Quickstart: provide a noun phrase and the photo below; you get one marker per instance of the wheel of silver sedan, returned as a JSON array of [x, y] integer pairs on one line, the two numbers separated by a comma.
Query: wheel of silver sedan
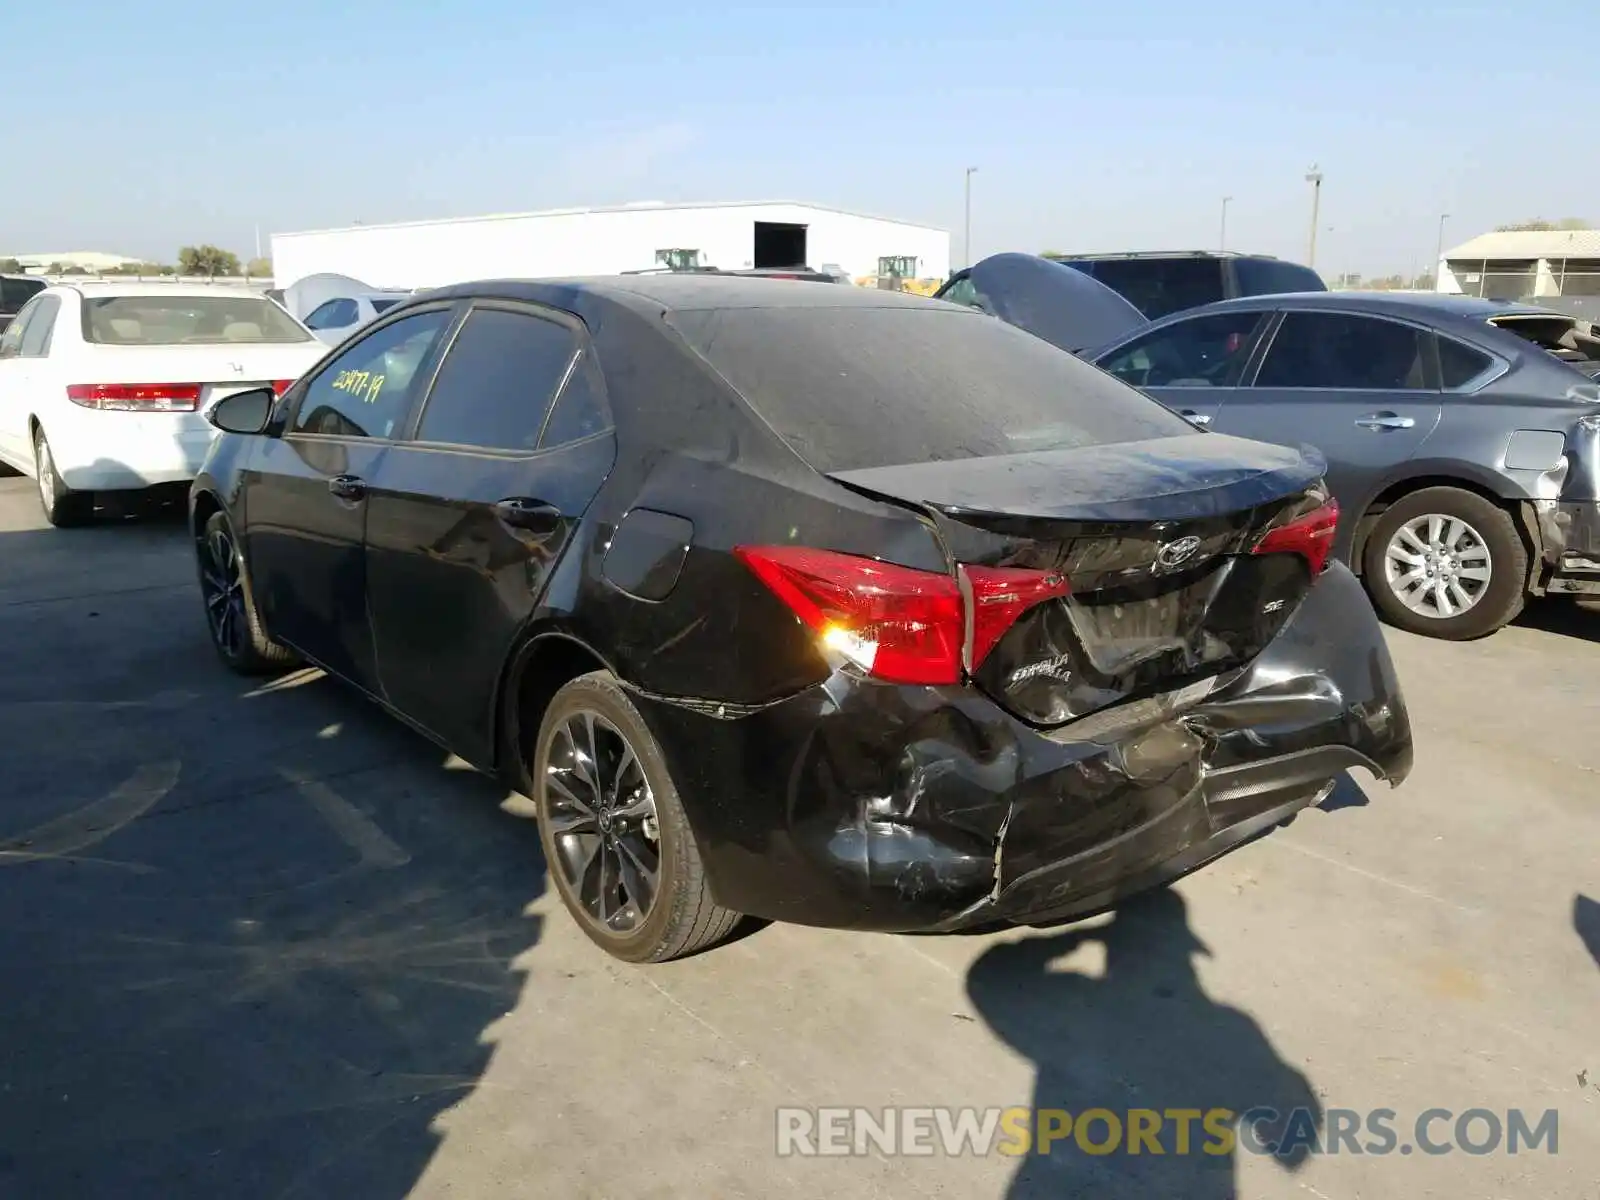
[[1438, 566], [602, 819]]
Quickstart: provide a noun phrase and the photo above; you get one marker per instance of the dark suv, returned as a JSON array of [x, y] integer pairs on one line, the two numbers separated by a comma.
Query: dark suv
[[15, 291], [1159, 283]]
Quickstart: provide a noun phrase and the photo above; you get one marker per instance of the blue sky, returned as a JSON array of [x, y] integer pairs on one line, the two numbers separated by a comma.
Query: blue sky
[[135, 128]]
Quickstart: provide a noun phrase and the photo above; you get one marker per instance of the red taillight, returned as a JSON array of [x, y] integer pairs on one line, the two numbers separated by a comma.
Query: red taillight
[[1002, 594], [280, 386], [898, 624], [1310, 536], [136, 397]]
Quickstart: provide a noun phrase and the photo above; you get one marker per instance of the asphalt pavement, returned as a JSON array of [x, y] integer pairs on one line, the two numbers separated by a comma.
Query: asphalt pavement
[[263, 941]]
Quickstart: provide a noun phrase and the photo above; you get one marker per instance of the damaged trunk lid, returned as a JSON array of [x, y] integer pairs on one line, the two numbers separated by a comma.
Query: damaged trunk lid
[[1165, 546]]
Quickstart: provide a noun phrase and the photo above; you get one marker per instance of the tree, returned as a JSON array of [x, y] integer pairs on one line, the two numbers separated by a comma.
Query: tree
[[1540, 225], [259, 268], [11, 266], [207, 260]]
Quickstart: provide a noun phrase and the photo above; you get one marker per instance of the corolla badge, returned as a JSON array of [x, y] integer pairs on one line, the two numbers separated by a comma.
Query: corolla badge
[[1176, 553]]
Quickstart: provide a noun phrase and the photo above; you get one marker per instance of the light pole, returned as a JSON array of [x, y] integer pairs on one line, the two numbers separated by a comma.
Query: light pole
[[1314, 178], [966, 235], [1438, 254], [1222, 235]]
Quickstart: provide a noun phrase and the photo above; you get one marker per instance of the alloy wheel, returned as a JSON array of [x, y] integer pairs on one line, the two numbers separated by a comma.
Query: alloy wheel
[[223, 589], [1438, 566], [46, 473], [602, 819]]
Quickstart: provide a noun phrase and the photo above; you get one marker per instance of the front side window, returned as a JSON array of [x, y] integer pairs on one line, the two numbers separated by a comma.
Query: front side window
[[187, 321], [1205, 351], [333, 314], [963, 291], [366, 391], [41, 323], [1338, 350], [496, 383]]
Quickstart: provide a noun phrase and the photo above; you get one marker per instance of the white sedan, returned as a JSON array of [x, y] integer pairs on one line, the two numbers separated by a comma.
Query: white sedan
[[104, 386]]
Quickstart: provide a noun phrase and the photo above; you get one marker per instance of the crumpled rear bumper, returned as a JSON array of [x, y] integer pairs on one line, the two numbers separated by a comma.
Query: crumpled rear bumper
[[871, 806]]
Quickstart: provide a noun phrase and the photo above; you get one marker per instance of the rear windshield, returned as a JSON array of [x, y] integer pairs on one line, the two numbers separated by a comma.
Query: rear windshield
[[852, 388], [186, 320], [379, 306], [1159, 286], [1269, 276]]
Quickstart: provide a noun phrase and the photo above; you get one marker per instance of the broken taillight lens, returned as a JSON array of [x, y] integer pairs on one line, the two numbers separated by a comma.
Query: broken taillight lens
[[1309, 535], [897, 623]]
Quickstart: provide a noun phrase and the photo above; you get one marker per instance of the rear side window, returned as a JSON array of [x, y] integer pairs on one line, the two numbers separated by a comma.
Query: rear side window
[[497, 380], [1159, 286], [41, 324], [1268, 276], [187, 321], [1459, 364], [1337, 350], [851, 388], [1203, 351], [382, 306]]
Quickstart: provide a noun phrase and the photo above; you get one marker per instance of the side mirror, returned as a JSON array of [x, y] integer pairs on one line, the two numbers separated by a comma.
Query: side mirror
[[243, 412]]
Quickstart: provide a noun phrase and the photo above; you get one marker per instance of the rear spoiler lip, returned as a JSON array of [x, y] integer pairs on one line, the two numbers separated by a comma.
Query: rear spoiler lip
[[1254, 475]]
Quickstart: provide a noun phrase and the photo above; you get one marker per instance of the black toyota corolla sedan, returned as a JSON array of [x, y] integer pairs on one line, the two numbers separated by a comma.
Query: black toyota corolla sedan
[[827, 605]]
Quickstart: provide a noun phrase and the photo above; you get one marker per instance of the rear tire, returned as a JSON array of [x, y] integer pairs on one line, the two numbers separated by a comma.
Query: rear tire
[[237, 634], [608, 811], [62, 506], [1446, 563]]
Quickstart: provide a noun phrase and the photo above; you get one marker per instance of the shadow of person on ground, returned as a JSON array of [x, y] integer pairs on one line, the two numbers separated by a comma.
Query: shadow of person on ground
[[1142, 1036], [256, 938], [1586, 920]]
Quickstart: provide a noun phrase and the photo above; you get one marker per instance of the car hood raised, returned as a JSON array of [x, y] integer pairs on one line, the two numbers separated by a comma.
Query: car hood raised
[[1052, 301]]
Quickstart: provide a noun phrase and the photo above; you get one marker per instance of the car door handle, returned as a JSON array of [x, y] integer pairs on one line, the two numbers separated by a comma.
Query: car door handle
[[522, 512], [1193, 417], [1384, 420], [348, 487]]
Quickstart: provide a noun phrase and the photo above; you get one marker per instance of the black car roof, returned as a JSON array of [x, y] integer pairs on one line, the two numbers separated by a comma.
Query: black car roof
[[687, 291]]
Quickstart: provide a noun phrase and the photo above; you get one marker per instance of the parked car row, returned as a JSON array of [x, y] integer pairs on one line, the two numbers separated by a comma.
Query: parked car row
[[1462, 436]]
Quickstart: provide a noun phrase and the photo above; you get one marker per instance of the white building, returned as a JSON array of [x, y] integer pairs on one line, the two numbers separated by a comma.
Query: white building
[[1523, 264], [606, 241]]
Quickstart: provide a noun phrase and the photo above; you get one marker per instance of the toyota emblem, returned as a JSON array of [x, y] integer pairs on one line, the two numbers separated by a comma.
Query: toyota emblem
[[1175, 554]]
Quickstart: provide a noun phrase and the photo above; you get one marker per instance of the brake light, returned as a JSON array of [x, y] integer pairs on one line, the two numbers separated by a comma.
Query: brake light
[[280, 386], [1000, 595], [1310, 536], [136, 397], [896, 623]]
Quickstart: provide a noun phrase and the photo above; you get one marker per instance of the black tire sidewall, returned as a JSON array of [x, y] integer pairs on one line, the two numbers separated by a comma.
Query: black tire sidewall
[[65, 507], [1508, 558], [600, 693]]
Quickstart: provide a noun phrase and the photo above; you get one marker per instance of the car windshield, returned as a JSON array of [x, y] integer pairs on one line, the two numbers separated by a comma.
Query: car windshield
[[850, 388], [186, 320]]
